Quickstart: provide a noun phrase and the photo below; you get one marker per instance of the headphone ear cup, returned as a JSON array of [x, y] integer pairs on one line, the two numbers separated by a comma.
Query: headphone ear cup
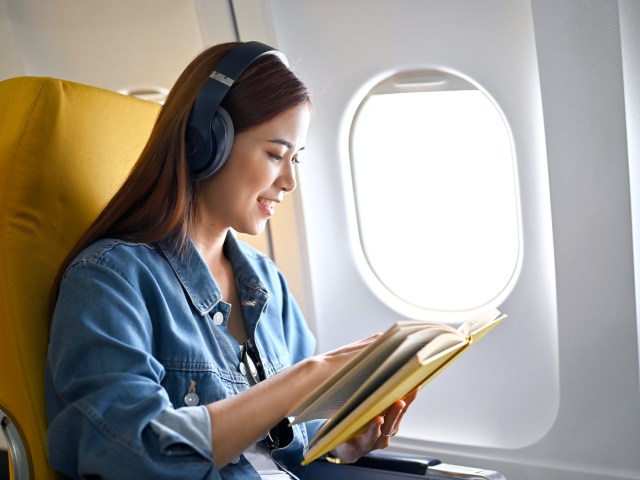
[[221, 137], [195, 149]]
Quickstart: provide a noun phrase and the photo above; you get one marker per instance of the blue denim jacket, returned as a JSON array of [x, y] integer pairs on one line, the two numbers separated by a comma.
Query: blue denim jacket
[[133, 328]]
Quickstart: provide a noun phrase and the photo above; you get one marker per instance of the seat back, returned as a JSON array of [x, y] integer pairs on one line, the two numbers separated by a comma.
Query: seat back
[[65, 148]]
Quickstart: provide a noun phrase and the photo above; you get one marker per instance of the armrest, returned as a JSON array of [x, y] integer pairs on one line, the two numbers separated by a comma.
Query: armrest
[[381, 465], [396, 463]]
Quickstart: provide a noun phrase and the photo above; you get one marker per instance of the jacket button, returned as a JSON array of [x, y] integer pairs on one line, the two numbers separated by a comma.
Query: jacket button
[[218, 318], [191, 399]]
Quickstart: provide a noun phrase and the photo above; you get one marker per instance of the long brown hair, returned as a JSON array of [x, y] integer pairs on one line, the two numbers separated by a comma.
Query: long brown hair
[[159, 198]]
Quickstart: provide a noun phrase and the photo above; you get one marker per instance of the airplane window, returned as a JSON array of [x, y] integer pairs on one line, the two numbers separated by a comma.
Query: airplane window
[[435, 191]]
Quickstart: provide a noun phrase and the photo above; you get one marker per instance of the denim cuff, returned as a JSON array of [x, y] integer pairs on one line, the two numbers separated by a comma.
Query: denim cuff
[[184, 430]]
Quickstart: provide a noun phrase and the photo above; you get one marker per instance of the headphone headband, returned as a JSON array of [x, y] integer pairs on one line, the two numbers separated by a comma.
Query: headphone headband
[[209, 134], [240, 58]]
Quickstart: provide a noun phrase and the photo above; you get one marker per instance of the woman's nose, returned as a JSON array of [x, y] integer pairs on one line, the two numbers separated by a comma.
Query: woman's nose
[[288, 178]]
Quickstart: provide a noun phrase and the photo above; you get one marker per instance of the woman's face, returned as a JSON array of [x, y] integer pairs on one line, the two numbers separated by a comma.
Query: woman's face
[[260, 170]]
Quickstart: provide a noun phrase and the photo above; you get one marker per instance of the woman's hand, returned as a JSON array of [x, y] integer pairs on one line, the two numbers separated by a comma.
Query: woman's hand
[[266, 403], [379, 432], [327, 363]]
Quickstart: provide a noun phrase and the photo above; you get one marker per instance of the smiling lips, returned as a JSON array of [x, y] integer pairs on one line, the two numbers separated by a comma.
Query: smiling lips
[[267, 206]]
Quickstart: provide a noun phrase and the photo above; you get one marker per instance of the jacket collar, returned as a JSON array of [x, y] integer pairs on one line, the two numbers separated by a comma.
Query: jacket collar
[[196, 279]]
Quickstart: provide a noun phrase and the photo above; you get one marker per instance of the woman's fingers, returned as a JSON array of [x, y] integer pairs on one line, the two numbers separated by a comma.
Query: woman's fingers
[[392, 419], [337, 358], [395, 413], [379, 431], [354, 347]]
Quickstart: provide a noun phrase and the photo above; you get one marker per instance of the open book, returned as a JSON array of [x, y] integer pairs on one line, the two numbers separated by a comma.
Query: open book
[[408, 355]]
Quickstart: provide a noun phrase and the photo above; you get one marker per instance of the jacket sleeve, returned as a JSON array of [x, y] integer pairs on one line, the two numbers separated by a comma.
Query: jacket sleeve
[[105, 402]]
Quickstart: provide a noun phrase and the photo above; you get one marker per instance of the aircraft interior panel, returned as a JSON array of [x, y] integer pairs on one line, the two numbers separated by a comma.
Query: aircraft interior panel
[[340, 70], [575, 281], [630, 40], [108, 43]]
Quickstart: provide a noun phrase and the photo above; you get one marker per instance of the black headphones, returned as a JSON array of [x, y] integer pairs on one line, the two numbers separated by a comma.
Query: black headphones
[[209, 133]]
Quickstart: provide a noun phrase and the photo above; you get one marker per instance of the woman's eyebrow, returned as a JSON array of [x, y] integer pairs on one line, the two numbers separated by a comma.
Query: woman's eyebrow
[[287, 144]]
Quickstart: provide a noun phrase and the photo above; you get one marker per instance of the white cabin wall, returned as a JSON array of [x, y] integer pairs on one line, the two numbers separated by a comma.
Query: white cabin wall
[[255, 21], [112, 44], [10, 59], [597, 433], [343, 50], [630, 37]]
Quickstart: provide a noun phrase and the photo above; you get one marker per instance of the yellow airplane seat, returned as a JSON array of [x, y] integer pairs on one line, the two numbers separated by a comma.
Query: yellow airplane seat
[[65, 148]]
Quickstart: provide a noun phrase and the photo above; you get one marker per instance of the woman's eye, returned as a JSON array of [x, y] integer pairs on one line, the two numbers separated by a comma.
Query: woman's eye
[[274, 156], [295, 160]]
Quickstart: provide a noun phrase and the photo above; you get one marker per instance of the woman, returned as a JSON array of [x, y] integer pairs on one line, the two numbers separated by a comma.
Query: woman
[[177, 351]]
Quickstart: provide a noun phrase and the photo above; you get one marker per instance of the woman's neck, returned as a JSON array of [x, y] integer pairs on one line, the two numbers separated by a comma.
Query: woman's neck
[[209, 242]]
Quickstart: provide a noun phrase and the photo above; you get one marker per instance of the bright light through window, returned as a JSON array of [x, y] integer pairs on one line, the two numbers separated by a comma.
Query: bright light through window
[[436, 199]]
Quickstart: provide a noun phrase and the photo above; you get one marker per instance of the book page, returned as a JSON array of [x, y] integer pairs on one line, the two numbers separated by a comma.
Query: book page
[[332, 394], [440, 344], [480, 331], [415, 343], [478, 322]]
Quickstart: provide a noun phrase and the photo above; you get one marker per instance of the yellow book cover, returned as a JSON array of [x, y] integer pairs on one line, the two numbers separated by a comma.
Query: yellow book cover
[[408, 355]]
